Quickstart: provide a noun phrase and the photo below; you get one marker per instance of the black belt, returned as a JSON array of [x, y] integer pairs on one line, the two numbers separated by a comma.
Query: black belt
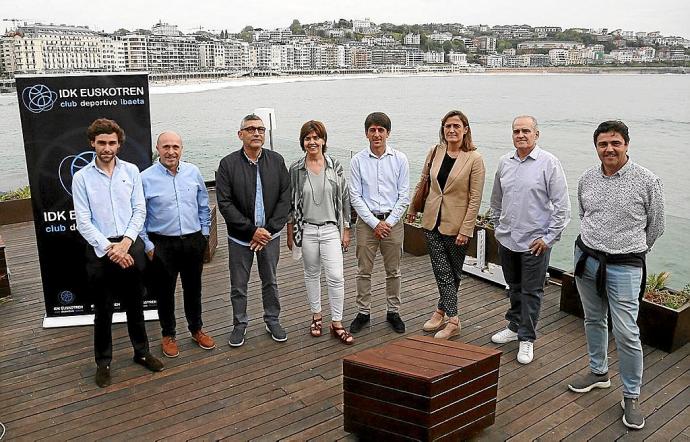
[[116, 239], [333, 223], [382, 216], [154, 235]]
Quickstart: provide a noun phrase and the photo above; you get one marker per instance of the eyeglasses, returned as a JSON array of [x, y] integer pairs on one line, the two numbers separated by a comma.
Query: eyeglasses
[[252, 129]]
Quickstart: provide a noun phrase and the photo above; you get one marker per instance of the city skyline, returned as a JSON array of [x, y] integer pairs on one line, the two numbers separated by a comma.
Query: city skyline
[[668, 16]]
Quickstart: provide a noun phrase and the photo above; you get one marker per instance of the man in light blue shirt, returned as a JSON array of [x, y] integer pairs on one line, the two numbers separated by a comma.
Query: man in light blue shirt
[[110, 211], [530, 207], [379, 192], [175, 236]]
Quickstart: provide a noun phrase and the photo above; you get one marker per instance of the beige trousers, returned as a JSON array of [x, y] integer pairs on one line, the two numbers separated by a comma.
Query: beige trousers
[[391, 250]]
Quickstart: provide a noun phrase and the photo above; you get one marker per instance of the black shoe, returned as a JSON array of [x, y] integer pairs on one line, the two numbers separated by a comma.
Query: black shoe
[[359, 322], [103, 376], [237, 336], [396, 322], [149, 361], [277, 332], [632, 415]]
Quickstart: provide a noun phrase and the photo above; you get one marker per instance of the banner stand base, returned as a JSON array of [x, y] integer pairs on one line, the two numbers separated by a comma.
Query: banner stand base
[[76, 320], [492, 272]]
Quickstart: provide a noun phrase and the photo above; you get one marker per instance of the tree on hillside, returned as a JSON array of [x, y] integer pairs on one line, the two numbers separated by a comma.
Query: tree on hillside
[[246, 34], [296, 27]]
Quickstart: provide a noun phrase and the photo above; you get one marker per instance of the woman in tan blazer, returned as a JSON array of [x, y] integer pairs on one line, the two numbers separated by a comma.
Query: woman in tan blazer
[[450, 212]]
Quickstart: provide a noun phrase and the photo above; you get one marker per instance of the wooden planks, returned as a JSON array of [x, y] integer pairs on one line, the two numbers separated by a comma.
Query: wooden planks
[[293, 391]]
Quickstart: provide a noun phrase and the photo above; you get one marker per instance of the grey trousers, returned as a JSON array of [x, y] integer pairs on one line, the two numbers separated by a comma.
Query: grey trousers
[[525, 275], [240, 260]]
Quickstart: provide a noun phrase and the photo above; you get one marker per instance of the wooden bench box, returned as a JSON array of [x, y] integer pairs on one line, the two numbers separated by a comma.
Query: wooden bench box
[[420, 388]]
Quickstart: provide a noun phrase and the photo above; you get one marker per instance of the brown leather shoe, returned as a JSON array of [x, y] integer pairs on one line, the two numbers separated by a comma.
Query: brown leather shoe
[[169, 346], [451, 329], [437, 320], [203, 340]]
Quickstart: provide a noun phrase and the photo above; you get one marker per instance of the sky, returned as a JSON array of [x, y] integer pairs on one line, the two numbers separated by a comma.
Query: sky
[[670, 17]]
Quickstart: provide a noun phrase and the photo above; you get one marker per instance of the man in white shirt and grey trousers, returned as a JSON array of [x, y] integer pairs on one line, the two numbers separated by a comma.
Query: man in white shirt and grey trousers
[[530, 207]]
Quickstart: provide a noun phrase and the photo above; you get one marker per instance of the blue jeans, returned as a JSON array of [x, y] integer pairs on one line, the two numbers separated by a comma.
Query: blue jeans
[[623, 288]]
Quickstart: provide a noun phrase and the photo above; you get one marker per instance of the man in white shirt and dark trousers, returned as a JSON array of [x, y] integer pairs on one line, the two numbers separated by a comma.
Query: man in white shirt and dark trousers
[[110, 211], [379, 187], [530, 207]]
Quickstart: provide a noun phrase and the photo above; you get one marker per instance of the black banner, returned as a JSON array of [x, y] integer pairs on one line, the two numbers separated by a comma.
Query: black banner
[[55, 112]]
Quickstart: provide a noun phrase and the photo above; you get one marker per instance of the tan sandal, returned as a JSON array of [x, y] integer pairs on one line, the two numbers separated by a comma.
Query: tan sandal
[[451, 329], [438, 318], [342, 334], [316, 326]]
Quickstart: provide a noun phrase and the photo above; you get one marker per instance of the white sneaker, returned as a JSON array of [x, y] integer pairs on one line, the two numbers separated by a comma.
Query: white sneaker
[[526, 352], [504, 336]]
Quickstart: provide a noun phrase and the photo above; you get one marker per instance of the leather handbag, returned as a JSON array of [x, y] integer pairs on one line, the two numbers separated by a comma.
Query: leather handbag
[[420, 196]]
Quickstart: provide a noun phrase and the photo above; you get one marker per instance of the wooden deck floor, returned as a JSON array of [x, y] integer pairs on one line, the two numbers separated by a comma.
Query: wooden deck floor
[[292, 391]]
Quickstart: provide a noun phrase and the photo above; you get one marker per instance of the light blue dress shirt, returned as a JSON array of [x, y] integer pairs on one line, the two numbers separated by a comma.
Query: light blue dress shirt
[[529, 200], [175, 204], [108, 207], [379, 185], [259, 211]]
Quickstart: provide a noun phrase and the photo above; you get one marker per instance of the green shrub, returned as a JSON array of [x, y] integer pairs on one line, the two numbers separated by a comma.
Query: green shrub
[[17, 194]]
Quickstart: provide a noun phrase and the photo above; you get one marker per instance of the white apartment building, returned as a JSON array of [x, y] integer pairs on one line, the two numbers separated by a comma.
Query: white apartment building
[[575, 57], [167, 29], [535, 60], [274, 36], [41, 48], [457, 58], [304, 56], [547, 29], [441, 37], [558, 57], [549, 45], [593, 53], [136, 52], [261, 55], [172, 54], [113, 55], [236, 54], [411, 39], [211, 55], [361, 26], [434, 57], [413, 57], [493, 61]]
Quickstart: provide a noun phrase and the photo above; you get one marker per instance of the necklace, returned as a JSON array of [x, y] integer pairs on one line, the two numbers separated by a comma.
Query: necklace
[[323, 190]]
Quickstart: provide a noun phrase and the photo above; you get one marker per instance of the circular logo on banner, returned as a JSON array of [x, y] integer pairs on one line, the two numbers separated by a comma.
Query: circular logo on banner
[[38, 98], [66, 297], [70, 165]]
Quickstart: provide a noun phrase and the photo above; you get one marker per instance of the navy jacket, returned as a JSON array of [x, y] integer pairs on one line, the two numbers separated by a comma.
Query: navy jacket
[[236, 192]]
